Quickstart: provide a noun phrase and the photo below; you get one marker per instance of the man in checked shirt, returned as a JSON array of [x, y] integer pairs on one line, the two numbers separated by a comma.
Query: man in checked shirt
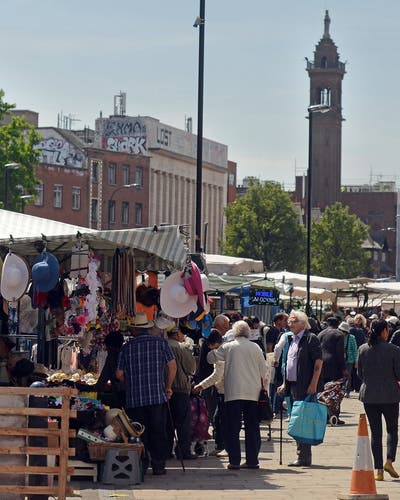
[[147, 366]]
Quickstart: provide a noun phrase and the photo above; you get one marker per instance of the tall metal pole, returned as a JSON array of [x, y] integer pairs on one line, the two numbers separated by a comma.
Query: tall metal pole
[[309, 205], [398, 237], [199, 173]]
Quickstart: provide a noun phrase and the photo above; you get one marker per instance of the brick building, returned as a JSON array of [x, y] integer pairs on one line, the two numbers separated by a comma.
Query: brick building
[[131, 172], [85, 186]]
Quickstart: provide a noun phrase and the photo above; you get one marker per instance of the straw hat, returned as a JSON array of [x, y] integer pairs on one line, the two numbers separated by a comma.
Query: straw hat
[[174, 298], [14, 277], [45, 272], [141, 321]]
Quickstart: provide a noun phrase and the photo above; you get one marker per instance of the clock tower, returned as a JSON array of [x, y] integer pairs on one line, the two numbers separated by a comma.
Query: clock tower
[[326, 74]]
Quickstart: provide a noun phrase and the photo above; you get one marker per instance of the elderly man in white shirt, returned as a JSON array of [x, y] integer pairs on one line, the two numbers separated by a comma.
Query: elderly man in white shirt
[[245, 371]]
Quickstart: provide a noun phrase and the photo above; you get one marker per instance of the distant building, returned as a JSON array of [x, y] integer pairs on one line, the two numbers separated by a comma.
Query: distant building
[[83, 177]]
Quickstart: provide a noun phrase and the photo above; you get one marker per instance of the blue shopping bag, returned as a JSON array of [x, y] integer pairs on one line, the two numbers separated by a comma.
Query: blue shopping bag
[[308, 421]]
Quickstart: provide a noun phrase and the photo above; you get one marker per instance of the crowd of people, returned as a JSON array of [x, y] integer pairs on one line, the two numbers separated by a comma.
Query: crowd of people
[[184, 400]]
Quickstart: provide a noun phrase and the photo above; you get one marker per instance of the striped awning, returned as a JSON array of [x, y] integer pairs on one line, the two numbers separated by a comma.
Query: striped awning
[[154, 247]]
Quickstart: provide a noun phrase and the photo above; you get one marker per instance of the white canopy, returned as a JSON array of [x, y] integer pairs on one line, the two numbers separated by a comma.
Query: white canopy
[[300, 280], [232, 266], [392, 287], [26, 233]]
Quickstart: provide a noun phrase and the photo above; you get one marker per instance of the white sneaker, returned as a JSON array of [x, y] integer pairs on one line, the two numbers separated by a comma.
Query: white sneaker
[[222, 453], [214, 453]]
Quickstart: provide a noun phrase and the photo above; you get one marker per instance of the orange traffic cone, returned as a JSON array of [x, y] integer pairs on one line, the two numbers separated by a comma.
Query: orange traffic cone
[[362, 476]]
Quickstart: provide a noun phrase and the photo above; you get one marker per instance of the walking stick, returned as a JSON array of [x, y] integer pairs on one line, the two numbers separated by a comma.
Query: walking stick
[[178, 444], [280, 433]]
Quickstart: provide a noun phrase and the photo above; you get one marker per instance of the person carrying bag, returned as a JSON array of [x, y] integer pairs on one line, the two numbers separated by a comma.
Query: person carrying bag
[[308, 421]]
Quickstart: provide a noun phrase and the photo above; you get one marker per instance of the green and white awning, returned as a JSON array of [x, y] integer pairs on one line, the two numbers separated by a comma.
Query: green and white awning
[[156, 248]]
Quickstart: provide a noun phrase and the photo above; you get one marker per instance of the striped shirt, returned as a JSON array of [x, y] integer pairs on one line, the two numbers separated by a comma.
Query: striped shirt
[[143, 360]]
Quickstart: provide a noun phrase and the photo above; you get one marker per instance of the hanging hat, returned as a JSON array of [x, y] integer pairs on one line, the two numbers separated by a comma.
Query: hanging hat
[[45, 272], [163, 321], [193, 283], [141, 321], [174, 299], [14, 277], [206, 325]]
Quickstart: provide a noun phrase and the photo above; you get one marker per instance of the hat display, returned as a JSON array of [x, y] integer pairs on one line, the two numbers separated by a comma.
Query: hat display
[[142, 321], [175, 301], [344, 326], [193, 283], [393, 320], [14, 277], [373, 316], [45, 272]]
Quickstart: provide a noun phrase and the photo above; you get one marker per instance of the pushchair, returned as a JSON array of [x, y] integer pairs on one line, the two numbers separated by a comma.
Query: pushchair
[[332, 396]]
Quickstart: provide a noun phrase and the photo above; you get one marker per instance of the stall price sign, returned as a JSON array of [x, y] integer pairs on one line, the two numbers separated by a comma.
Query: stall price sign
[[263, 296]]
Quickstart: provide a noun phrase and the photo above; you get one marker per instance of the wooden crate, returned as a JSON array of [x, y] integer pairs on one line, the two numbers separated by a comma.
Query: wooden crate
[[97, 451], [58, 448]]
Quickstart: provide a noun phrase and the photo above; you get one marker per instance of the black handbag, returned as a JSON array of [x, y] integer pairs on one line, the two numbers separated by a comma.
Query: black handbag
[[264, 406]]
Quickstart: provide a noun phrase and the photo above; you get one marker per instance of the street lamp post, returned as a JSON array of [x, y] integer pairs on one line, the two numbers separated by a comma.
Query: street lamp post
[[199, 23], [115, 192], [7, 168], [316, 108]]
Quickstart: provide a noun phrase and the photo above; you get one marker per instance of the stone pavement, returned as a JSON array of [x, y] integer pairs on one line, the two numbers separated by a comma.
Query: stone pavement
[[208, 477]]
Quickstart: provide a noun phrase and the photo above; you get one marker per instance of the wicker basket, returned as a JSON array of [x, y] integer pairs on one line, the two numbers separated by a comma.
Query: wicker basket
[[97, 451]]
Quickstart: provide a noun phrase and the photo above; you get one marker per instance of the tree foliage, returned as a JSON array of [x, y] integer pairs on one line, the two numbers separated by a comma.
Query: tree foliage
[[336, 244], [17, 145], [263, 225]]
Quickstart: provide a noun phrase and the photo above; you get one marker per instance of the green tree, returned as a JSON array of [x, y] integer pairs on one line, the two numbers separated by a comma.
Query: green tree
[[263, 224], [17, 145], [336, 244]]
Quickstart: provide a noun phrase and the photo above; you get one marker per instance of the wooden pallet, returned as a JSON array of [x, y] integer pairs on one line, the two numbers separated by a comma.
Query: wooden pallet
[[62, 434]]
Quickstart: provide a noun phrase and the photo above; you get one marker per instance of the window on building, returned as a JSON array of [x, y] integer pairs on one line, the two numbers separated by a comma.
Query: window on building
[[95, 171], [39, 199], [112, 173], [94, 212], [58, 192], [125, 212], [324, 62], [138, 214], [139, 176], [76, 198], [231, 179], [325, 96], [126, 172], [111, 212]]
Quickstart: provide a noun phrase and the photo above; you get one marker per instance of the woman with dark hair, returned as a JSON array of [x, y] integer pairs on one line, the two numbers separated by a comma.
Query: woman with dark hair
[[379, 371]]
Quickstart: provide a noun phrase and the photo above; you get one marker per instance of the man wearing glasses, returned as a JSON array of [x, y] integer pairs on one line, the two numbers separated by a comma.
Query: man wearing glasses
[[303, 363]]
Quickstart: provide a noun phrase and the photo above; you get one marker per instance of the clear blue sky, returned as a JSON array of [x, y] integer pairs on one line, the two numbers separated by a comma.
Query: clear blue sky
[[74, 56]]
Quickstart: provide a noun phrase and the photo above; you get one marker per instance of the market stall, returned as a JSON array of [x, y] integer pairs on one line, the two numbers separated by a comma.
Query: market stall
[[65, 289]]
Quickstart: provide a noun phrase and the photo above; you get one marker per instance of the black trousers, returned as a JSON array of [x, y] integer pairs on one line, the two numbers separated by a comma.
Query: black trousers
[[154, 438], [220, 423], [180, 411], [235, 410], [390, 412]]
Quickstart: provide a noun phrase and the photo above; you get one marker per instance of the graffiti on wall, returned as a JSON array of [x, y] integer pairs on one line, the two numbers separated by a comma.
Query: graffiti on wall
[[124, 135], [126, 144], [122, 127], [56, 151]]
